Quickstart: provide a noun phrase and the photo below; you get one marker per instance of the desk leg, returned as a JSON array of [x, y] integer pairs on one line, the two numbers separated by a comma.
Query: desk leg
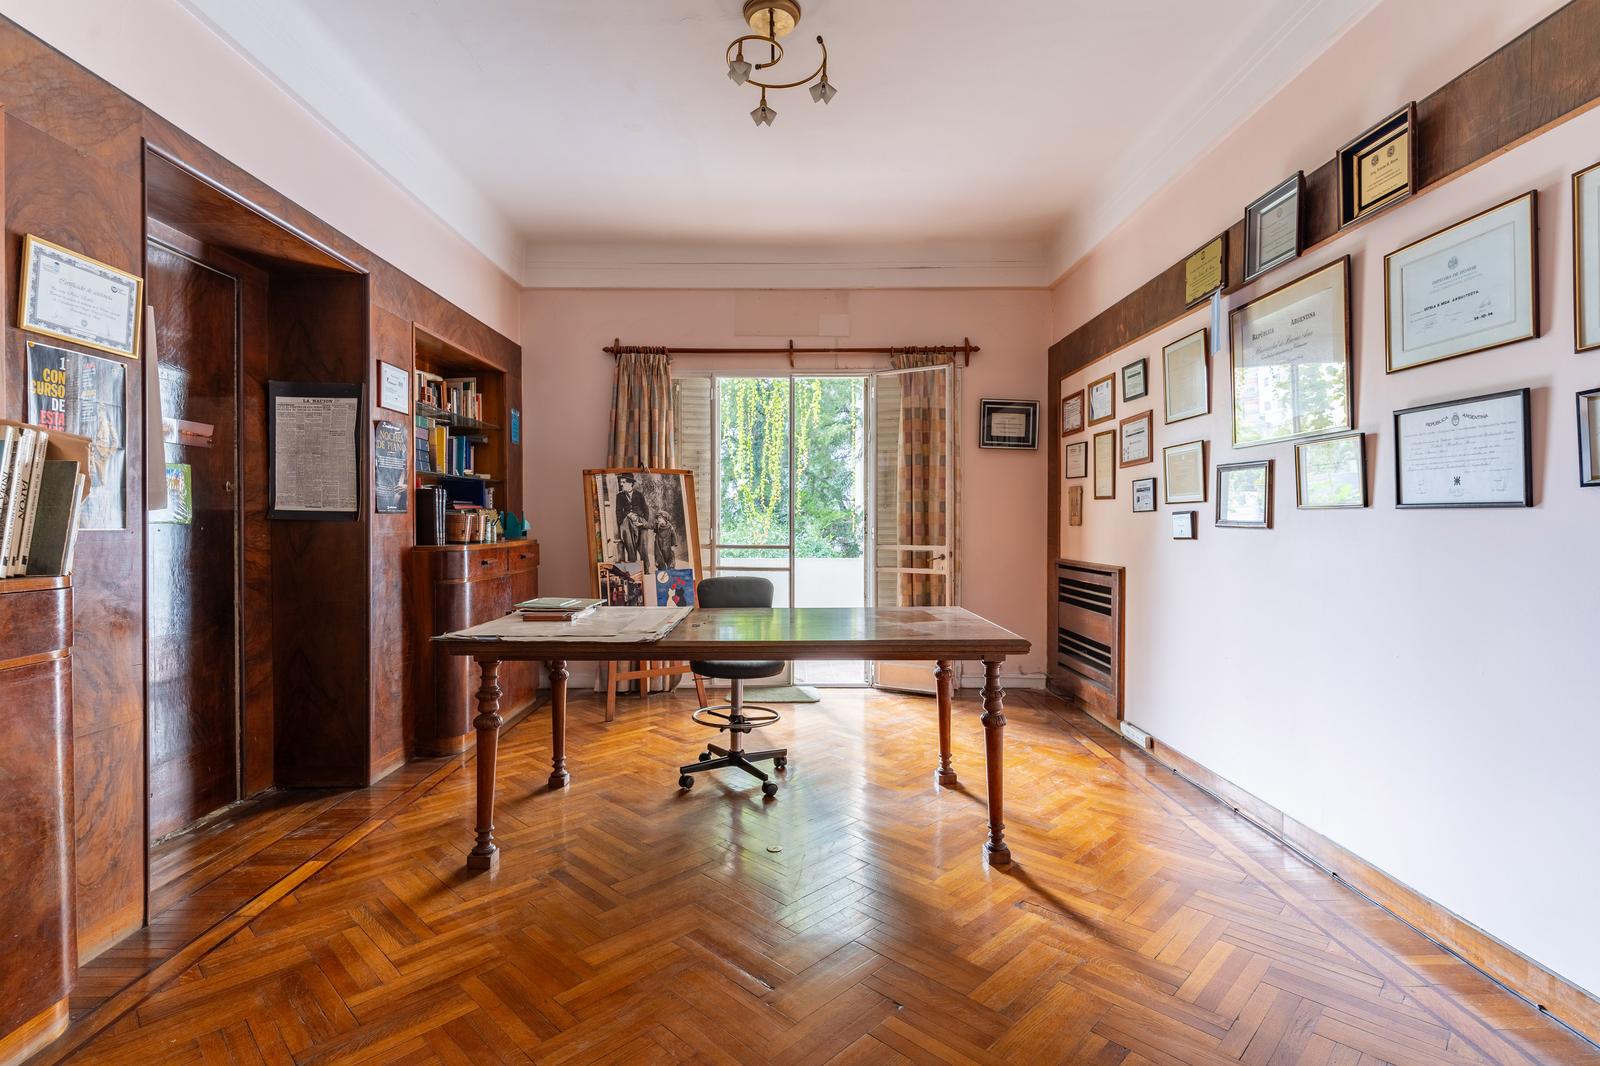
[[485, 855], [558, 724], [994, 725], [944, 680]]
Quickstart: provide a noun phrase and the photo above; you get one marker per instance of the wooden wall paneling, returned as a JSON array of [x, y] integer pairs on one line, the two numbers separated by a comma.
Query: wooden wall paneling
[[392, 668]]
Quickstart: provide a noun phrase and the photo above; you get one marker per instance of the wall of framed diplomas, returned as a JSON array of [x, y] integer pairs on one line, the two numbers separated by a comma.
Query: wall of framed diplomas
[[1377, 530]]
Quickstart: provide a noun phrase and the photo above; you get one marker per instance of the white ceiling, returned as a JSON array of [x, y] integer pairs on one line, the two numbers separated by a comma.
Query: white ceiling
[[975, 143]]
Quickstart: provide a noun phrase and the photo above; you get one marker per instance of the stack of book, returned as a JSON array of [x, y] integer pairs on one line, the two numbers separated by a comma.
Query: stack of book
[[555, 608], [39, 501], [459, 396]]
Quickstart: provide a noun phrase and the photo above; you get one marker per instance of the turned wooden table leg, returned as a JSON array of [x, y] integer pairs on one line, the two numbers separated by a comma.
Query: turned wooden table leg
[[558, 724], [485, 855], [994, 725], [944, 681]]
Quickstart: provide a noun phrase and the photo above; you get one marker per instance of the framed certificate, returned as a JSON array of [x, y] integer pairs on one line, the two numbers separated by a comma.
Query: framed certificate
[[1586, 258], [1105, 465], [1186, 375], [1468, 288], [1077, 464], [1075, 505], [1183, 525], [1244, 494], [1144, 495], [1102, 399], [1273, 231], [1008, 423], [1589, 438], [1183, 467], [1375, 169], [1331, 473], [1135, 385], [1072, 413], [1206, 270], [1136, 446], [1291, 359], [394, 387], [78, 299], [1465, 453]]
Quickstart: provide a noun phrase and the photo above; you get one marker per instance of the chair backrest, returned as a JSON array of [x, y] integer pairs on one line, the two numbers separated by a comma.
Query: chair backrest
[[740, 591]]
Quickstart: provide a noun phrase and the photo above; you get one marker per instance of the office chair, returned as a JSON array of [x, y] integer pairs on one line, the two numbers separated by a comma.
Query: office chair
[[733, 717]]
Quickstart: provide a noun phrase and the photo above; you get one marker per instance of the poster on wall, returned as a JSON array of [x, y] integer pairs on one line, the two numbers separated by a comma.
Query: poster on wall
[[74, 392], [389, 467], [314, 441], [644, 536]]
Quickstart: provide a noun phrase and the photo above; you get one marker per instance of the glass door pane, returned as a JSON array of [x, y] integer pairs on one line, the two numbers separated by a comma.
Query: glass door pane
[[830, 508]]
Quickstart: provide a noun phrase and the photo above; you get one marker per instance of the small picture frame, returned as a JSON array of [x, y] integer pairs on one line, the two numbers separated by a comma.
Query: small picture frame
[[1589, 438], [1075, 505], [1330, 473], [1205, 270], [1144, 495], [1077, 460], [1244, 495], [1137, 447], [1102, 399], [1586, 258], [1376, 169], [1183, 470], [394, 387], [1186, 376], [1274, 227], [1105, 465], [1135, 380], [1474, 452], [1008, 423], [1183, 525], [1072, 413]]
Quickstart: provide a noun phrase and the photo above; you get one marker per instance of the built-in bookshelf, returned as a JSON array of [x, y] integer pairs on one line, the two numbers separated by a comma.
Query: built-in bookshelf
[[459, 414]]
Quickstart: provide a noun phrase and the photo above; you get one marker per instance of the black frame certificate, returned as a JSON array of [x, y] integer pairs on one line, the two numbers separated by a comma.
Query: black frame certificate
[[1274, 233], [74, 298], [1467, 288], [1465, 453], [314, 445], [1375, 169], [1290, 356]]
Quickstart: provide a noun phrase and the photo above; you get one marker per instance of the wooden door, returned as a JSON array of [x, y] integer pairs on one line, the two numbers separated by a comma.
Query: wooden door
[[193, 615]]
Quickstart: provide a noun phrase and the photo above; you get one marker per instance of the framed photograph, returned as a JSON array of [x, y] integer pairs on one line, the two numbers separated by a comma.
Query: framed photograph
[[394, 387], [1465, 453], [1205, 270], [1375, 170], [1586, 258], [1291, 359], [1072, 413], [1136, 439], [1589, 438], [314, 451], [1186, 376], [1183, 525], [1134, 383], [1244, 494], [74, 298], [1105, 465], [1075, 505], [1274, 231], [1102, 399], [1008, 423], [1468, 288], [1144, 495], [1077, 464], [1183, 469], [1331, 473], [644, 536]]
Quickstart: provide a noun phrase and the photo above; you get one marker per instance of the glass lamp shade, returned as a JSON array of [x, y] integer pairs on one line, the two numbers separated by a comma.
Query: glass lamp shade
[[763, 115], [739, 71], [823, 91]]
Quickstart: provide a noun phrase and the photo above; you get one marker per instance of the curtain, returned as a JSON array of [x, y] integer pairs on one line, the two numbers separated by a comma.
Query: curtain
[[641, 411], [925, 474]]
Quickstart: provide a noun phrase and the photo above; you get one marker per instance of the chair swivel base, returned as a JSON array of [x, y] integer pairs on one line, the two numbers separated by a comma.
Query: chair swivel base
[[716, 758]]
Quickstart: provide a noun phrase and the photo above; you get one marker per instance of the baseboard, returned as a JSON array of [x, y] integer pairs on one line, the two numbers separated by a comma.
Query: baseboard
[[1555, 995]]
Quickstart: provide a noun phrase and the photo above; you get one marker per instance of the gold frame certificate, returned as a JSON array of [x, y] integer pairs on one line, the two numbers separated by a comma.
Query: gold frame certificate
[[1206, 270], [1468, 288], [1183, 469], [1586, 258], [1105, 465], [1465, 453], [1101, 397], [1375, 169], [1290, 357], [74, 298], [1135, 436], [1186, 376]]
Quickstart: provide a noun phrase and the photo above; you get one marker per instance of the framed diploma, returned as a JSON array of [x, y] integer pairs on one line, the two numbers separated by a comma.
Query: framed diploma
[[1468, 288], [1105, 465], [1144, 495], [1072, 413], [1206, 270], [1273, 231], [1586, 258], [1184, 469], [1183, 525], [1244, 495], [1008, 423], [1077, 463], [1465, 453], [1102, 394], [1135, 383], [1331, 473], [1589, 438], [394, 387], [1136, 447], [1291, 359], [1186, 374], [1075, 505], [1375, 170], [75, 298]]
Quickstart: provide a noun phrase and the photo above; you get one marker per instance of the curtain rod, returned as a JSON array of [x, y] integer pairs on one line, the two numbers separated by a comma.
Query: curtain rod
[[966, 349]]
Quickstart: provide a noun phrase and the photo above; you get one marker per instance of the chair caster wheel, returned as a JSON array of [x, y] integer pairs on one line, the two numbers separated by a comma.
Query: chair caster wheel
[[770, 788], [704, 756], [685, 782], [780, 764]]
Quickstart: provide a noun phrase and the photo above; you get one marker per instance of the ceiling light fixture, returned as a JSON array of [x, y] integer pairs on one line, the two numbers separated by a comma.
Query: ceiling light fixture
[[772, 19]]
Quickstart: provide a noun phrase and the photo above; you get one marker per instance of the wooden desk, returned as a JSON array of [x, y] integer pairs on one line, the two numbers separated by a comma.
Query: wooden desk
[[939, 634]]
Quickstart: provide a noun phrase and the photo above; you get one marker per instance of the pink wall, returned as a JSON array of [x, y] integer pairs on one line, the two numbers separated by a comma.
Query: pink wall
[[1416, 685], [568, 393]]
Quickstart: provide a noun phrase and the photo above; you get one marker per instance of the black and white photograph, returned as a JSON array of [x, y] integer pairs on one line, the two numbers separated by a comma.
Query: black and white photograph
[[645, 536]]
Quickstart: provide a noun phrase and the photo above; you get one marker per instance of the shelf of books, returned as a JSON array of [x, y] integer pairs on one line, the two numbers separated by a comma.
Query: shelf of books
[[43, 480], [458, 408]]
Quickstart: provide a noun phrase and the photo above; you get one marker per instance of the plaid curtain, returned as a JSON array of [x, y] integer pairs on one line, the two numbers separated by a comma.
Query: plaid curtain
[[927, 514], [641, 411]]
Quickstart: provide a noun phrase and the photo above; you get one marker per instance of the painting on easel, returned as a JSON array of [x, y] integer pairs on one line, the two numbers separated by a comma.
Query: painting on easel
[[643, 536]]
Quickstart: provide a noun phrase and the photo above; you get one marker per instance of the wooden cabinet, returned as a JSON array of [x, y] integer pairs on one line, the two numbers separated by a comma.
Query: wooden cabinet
[[36, 877], [460, 585]]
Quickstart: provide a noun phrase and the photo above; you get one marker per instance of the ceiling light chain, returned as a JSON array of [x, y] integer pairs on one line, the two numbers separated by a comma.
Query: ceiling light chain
[[772, 19]]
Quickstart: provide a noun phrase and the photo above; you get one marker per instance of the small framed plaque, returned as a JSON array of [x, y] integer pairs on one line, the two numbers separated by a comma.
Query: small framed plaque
[[394, 387], [1183, 525], [1186, 375], [1134, 383], [1589, 438], [1183, 468], [1331, 473], [1244, 494], [1008, 423], [1072, 413], [1206, 270], [1465, 453], [1586, 258], [1375, 169], [1291, 359], [1102, 399], [1144, 495], [1274, 230], [1077, 464], [1105, 465], [75, 298], [1075, 505], [1136, 444]]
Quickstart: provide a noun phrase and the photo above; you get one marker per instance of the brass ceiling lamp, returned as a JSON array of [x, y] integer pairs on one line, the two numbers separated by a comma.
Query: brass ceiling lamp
[[772, 19]]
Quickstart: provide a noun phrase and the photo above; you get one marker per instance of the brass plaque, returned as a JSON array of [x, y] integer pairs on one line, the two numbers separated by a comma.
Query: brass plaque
[[1204, 271], [1384, 170]]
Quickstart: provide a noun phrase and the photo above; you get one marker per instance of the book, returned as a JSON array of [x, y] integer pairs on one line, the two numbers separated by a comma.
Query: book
[[555, 608], [75, 524], [8, 447], [19, 467], [29, 508], [55, 518]]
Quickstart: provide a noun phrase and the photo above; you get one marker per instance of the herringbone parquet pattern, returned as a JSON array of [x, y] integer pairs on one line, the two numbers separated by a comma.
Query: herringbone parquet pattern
[[850, 920]]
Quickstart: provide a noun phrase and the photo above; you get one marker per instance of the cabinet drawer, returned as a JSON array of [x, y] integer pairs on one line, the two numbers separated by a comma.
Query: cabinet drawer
[[468, 564], [520, 557]]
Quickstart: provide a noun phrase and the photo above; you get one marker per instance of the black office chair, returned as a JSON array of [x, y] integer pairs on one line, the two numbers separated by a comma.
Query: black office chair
[[734, 717]]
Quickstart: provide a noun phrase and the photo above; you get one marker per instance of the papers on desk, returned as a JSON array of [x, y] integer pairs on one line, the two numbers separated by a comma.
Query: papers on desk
[[624, 625]]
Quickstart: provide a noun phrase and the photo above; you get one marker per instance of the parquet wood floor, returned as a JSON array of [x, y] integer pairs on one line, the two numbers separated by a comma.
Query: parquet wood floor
[[1141, 922]]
